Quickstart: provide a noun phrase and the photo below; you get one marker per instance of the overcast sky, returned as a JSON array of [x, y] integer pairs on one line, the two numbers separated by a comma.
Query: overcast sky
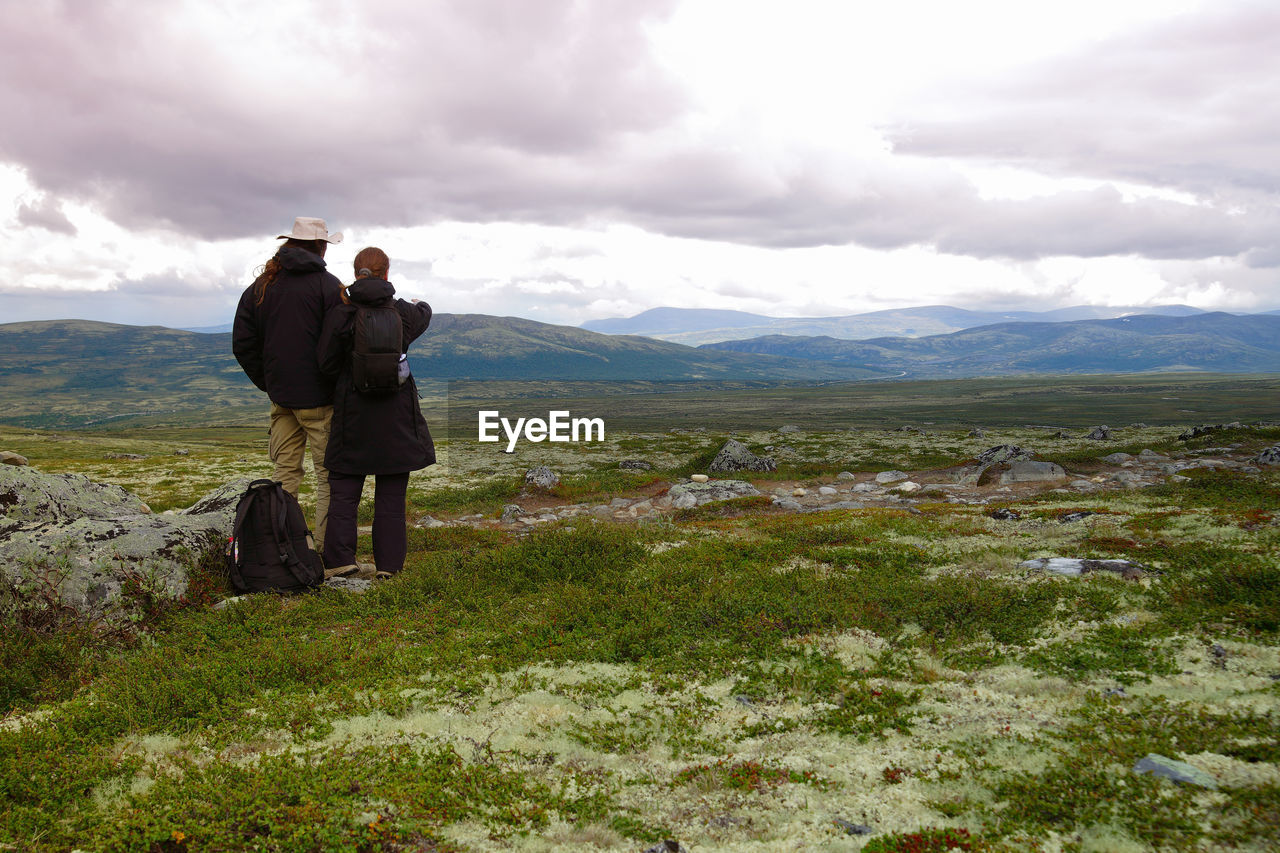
[[566, 161]]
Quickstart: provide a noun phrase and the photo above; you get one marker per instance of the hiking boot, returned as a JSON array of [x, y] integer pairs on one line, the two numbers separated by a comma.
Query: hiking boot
[[341, 571], [366, 571]]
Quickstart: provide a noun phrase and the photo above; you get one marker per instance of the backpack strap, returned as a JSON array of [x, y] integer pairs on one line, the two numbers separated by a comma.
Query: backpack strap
[[280, 515]]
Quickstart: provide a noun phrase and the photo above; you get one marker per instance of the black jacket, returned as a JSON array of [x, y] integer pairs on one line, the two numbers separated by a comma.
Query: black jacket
[[275, 342], [373, 433]]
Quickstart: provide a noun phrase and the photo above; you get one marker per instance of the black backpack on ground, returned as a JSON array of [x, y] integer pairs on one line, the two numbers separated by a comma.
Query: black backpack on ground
[[375, 352], [270, 546]]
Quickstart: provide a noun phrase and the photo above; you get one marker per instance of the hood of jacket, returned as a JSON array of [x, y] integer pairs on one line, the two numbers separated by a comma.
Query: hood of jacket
[[370, 291], [299, 260]]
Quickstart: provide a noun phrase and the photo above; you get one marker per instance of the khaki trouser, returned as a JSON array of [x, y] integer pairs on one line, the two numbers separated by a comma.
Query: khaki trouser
[[291, 431]]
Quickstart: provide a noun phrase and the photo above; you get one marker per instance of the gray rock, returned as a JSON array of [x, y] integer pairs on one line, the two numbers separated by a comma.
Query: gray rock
[[863, 488], [8, 457], [891, 477], [788, 503], [1075, 516], [667, 846], [131, 456], [1128, 479], [1149, 455], [1005, 514], [788, 428], [735, 456], [85, 540], [635, 465], [1117, 458], [977, 432], [1099, 433], [429, 522], [685, 495], [349, 584], [1074, 568], [1178, 771], [852, 828], [846, 475], [1003, 453], [541, 477], [1270, 456], [511, 512], [843, 505], [1028, 471], [826, 490], [182, 452]]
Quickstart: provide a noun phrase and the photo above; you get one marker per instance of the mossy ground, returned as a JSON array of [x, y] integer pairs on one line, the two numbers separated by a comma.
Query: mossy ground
[[748, 680]]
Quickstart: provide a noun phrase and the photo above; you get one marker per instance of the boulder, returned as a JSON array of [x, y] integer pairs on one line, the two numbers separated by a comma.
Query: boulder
[[1073, 568], [735, 456], [1099, 433], [1149, 455], [685, 495], [885, 477], [846, 475], [788, 429], [88, 540], [1117, 458], [1029, 471], [542, 478], [1178, 771], [8, 457], [1270, 456], [1003, 453]]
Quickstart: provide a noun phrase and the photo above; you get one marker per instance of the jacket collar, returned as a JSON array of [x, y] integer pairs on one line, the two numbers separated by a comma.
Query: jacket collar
[[299, 260], [370, 291]]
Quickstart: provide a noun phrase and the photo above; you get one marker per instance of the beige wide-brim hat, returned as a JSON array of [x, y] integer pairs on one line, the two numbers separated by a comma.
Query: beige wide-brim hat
[[310, 228]]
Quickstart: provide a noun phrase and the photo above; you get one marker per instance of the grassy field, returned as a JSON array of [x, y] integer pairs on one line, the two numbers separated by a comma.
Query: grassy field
[[733, 677]]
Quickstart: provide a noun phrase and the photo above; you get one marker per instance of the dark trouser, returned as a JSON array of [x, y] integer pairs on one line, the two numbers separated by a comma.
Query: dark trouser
[[390, 541]]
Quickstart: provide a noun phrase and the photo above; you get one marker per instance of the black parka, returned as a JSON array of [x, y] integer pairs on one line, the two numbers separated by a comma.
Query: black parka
[[275, 341], [373, 433]]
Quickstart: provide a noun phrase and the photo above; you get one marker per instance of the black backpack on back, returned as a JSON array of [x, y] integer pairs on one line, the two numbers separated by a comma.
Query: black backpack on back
[[270, 546], [375, 352]]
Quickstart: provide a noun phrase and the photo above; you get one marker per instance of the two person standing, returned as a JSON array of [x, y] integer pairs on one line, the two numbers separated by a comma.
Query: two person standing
[[293, 337]]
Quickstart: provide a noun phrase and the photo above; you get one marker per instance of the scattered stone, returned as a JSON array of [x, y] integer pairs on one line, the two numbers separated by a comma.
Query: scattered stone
[[699, 478], [8, 457], [1127, 479], [885, 477], [429, 522], [852, 828], [183, 452], [86, 540], [1270, 456], [799, 492], [1178, 478], [864, 487], [511, 512], [1005, 514], [133, 456], [1114, 691], [1219, 656], [1149, 455], [908, 487], [1099, 433], [977, 432], [1138, 425], [686, 495], [1075, 516], [1074, 568], [1003, 453], [349, 584], [541, 477], [667, 846], [1117, 458], [1178, 771], [787, 503], [635, 465], [1029, 471], [735, 456], [788, 428], [846, 475], [827, 490], [1084, 485]]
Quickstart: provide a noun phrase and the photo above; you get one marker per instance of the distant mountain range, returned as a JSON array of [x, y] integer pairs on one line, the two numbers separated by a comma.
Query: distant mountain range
[[694, 326], [1216, 342], [74, 372]]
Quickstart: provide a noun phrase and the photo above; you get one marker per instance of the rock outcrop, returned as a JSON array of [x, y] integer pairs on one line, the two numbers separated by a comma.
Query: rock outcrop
[[685, 495], [542, 478], [88, 540], [735, 456]]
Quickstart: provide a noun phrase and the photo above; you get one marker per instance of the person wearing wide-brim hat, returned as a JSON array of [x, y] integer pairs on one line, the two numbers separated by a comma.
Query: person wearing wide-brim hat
[[277, 325]]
